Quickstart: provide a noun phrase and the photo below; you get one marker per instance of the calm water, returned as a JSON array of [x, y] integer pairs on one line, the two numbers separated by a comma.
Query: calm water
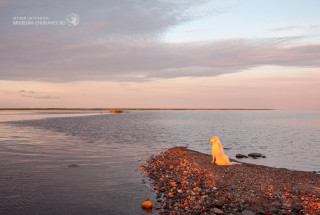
[[37, 147]]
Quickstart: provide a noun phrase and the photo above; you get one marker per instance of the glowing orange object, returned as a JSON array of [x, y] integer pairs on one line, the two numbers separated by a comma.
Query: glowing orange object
[[147, 205], [218, 155]]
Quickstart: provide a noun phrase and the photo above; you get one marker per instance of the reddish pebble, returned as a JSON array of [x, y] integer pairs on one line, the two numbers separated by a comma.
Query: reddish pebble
[[146, 205]]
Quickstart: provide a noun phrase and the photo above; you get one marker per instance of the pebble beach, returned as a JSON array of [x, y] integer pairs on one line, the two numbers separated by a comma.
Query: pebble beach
[[186, 182]]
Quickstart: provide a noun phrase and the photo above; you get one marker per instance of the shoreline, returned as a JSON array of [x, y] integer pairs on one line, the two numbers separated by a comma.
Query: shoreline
[[186, 182]]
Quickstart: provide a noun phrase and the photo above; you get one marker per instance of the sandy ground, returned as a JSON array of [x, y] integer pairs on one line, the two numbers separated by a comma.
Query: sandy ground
[[187, 183]]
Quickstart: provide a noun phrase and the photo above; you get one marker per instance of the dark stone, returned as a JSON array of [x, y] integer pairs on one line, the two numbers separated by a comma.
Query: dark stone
[[240, 156], [297, 209], [255, 155], [210, 206], [73, 165], [263, 156]]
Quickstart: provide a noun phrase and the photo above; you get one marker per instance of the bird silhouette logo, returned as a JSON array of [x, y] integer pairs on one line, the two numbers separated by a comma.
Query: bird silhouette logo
[[73, 19]]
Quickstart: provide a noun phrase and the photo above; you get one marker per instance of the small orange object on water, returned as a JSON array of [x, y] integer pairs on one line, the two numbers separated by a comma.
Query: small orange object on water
[[147, 205]]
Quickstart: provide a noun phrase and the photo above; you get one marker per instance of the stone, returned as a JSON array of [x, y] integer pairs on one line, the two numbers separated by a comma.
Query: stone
[[234, 186], [147, 205], [247, 212], [284, 212], [255, 155], [173, 184], [239, 156], [73, 165], [219, 203], [296, 209], [205, 209], [276, 204], [217, 211], [274, 210]]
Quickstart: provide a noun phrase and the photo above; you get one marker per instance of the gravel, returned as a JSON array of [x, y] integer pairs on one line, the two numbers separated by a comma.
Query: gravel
[[186, 182]]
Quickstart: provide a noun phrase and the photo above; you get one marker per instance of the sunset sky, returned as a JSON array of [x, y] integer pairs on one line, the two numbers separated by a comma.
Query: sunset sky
[[160, 54]]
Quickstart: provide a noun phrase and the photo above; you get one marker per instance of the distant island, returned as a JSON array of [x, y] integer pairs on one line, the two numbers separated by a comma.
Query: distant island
[[129, 109]]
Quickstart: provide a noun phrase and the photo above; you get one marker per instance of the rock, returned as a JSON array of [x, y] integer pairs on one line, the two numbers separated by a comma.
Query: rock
[[147, 205], [234, 186], [296, 209], [240, 156], [261, 212], [73, 165], [173, 184], [276, 204], [219, 203], [197, 189], [274, 210], [205, 210], [284, 212], [217, 211], [255, 155], [247, 212]]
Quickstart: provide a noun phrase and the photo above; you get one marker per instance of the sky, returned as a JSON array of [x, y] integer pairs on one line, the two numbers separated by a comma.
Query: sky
[[160, 54]]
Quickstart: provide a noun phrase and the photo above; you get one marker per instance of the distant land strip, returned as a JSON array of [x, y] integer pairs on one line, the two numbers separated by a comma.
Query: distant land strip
[[129, 109]]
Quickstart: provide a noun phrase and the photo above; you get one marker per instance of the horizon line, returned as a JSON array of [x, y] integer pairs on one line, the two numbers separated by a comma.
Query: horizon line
[[100, 109]]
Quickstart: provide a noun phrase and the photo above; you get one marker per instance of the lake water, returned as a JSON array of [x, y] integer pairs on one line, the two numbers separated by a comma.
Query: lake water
[[36, 148]]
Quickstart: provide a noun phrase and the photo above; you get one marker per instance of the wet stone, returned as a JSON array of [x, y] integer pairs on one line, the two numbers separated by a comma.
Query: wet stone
[[73, 165], [255, 155], [241, 156]]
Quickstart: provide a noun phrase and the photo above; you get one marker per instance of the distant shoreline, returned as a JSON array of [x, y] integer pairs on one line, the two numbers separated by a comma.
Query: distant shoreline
[[130, 109]]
